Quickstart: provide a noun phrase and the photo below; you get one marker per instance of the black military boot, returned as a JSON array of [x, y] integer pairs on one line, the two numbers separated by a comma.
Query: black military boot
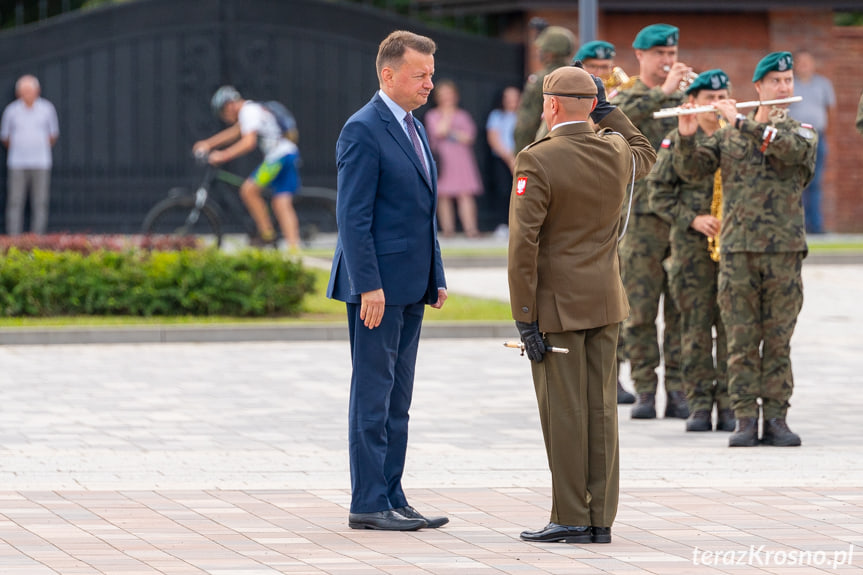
[[645, 406], [624, 396], [699, 421], [776, 433], [676, 405], [745, 434], [725, 420]]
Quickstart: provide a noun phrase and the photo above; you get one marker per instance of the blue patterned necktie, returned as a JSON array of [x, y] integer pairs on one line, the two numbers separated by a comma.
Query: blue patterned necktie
[[415, 140]]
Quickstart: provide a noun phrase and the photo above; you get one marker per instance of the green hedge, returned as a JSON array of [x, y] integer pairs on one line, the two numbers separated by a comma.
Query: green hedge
[[187, 282]]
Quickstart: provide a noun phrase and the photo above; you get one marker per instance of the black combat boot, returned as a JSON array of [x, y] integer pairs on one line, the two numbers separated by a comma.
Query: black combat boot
[[645, 406], [699, 421], [725, 420], [776, 433], [624, 396], [676, 406], [745, 434]]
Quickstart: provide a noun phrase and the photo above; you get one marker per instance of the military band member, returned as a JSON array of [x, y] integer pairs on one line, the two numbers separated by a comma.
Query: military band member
[[556, 45], [766, 160], [645, 244], [597, 57], [689, 208], [565, 290]]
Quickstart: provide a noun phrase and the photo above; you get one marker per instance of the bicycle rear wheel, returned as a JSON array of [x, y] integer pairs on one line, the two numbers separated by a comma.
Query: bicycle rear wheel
[[171, 217]]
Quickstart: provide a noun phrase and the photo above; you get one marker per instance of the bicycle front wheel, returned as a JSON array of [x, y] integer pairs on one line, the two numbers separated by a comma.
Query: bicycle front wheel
[[174, 217]]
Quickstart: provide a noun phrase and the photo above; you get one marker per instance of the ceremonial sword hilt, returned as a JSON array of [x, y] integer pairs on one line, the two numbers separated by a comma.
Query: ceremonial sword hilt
[[520, 345]]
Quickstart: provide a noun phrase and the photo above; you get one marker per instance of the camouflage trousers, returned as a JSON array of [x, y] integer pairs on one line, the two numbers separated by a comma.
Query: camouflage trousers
[[692, 278], [642, 251], [760, 295]]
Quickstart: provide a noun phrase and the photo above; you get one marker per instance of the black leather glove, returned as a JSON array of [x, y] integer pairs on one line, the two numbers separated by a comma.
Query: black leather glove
[[603, 108], [532, 339]]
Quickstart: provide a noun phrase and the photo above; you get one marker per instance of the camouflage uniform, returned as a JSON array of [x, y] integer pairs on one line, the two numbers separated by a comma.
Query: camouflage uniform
[[763, 243], [692, 278], [642, 251], [530, 108]]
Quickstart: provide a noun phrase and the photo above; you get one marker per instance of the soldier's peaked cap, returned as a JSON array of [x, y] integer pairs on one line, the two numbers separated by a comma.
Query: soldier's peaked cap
[[569, 81]]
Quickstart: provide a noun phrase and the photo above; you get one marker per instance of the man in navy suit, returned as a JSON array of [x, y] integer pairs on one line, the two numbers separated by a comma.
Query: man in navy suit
[[387, 267]]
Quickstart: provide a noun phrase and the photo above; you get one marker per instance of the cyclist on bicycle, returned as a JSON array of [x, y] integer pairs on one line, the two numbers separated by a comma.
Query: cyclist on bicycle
[[253, 125]]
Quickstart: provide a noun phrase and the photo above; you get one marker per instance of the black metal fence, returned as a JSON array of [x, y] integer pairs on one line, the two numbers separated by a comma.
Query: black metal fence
[[132, 83]]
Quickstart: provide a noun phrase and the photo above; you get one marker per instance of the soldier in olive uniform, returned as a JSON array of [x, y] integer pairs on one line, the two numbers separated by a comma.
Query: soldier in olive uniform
[[565, 289], [645, 244], [556, 45], [688, 208], [766, 159]]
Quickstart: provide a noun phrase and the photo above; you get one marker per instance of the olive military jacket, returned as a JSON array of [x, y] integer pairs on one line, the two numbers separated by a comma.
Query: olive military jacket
[[565, 206], [675, 200], [762, 207], [639, 103]]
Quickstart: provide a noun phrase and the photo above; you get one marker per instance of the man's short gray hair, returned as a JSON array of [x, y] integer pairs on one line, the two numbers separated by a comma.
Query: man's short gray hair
[[27, 78]]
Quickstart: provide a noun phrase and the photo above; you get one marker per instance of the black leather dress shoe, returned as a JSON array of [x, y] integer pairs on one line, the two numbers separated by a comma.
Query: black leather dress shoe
[[600, 534], [562, 533], [384, 520], [411, 513]]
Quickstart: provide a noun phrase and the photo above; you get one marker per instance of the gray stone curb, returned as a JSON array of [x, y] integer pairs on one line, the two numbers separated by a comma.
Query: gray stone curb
[[233, 333]]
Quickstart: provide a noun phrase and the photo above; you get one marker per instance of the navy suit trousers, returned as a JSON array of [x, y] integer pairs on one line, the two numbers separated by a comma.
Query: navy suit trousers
[[383, 361]]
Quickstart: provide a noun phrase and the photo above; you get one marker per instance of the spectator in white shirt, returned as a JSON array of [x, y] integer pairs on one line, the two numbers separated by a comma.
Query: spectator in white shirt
[[29, 130]]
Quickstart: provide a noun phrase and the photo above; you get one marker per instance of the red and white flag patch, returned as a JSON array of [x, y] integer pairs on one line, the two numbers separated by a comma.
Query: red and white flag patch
[[666, 143], [520, 185]]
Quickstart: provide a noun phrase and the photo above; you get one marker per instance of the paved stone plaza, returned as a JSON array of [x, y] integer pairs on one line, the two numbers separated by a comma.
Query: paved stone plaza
[[230, 459]]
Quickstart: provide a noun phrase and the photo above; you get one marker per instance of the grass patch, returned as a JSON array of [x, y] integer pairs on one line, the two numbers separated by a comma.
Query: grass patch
[[836, 247], [457, 307]]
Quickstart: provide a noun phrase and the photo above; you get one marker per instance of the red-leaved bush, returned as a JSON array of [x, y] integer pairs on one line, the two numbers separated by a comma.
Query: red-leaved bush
[[86, 244]]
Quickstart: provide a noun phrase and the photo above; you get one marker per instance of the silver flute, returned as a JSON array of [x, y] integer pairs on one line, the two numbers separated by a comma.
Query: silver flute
[[681, 111]]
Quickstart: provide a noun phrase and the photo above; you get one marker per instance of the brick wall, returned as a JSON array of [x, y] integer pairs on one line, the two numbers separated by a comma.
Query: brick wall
[[843, 206], [735, 42]]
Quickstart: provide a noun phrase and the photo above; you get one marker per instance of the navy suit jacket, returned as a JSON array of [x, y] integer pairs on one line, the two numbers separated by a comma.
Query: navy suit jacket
[[385, 211]]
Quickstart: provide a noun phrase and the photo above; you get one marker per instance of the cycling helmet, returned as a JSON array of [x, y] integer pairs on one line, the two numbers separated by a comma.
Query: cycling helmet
[[222, 96]]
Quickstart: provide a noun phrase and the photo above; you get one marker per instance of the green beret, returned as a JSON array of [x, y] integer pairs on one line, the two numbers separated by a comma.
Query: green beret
[[773, 62], [597, 50], [656, 35], [709, 80]]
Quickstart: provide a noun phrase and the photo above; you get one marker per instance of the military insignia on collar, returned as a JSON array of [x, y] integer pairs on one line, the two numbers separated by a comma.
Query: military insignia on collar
[[520, 185]]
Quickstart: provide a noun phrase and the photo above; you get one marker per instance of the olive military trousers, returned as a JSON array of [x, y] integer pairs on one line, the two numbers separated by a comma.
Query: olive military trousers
[[577, 398], [760, 295]]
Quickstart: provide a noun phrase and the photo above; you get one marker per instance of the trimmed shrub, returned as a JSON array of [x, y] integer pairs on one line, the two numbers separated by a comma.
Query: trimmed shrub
[[250, 283]]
